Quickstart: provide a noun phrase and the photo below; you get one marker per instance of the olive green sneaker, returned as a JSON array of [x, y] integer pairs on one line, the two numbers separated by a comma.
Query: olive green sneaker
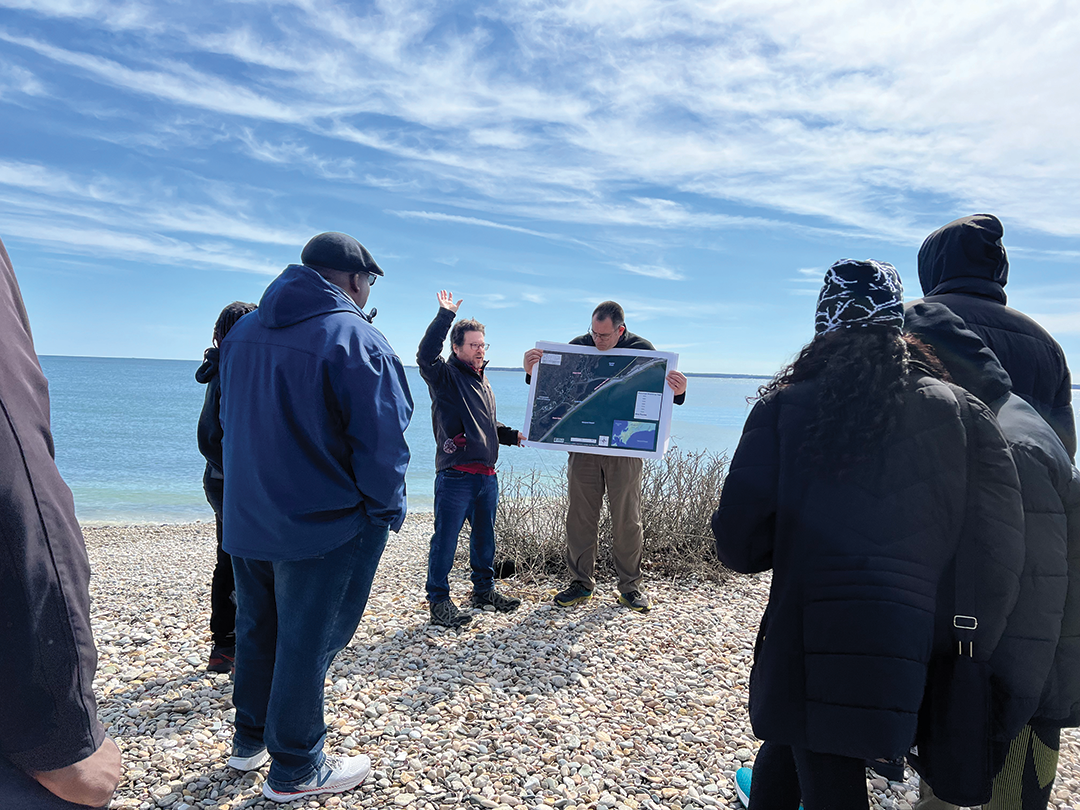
[[635, 600]]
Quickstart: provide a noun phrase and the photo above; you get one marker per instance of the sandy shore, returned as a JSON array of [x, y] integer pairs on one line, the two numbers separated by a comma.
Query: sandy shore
[[593, 707]]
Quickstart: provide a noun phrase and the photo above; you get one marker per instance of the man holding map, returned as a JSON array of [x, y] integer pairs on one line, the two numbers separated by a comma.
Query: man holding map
[[589, 475]]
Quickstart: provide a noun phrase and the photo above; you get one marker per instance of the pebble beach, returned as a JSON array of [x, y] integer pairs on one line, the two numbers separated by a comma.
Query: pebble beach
[[594, 707]]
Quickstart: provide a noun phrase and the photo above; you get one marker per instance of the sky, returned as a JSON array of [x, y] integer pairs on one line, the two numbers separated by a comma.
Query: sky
[[702, 163]]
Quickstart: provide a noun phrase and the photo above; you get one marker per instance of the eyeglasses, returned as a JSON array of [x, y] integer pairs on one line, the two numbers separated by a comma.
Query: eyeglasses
[[478, 346], [603, 335], [371, 279]]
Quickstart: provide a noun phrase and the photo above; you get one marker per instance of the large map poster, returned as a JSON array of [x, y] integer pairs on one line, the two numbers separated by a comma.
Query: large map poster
[[614, 403]]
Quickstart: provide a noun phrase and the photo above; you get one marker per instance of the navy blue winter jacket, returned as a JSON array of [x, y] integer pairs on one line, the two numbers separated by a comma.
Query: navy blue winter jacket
[[314, 406]]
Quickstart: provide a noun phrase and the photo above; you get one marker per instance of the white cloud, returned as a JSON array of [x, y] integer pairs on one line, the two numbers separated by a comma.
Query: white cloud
[[653, 271], [849, 113]]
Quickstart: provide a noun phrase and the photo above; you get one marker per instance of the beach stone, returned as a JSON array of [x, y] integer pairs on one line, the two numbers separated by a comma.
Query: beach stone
[[541, 708]]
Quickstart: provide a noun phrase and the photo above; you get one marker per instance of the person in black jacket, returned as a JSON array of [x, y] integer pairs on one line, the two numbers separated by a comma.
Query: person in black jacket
[[963, 265], [222, 586], [54, 752], [1039, 653], [589, 476], [851, 482], [467, 439]]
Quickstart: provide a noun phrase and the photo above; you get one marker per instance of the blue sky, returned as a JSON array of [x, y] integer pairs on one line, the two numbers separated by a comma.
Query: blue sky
[[701, 163]]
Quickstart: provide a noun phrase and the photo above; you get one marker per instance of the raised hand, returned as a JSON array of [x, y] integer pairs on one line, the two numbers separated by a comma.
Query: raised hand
[[446, 301]]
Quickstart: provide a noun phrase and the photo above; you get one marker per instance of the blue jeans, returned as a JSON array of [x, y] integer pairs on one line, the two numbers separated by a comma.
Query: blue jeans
[[292, 618], [460, 495]]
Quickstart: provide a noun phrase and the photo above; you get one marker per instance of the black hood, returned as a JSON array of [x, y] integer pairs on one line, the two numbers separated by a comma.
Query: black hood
[[969, 361], [965, 256], [209, 368]]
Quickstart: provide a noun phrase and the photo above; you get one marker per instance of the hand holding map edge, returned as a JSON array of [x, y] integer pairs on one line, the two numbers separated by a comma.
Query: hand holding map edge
[[532, 357], [676, 381]]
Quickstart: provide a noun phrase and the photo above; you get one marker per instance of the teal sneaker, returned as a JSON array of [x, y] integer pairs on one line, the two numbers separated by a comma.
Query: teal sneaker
[[575, 593], [742, 785], [743, 777]]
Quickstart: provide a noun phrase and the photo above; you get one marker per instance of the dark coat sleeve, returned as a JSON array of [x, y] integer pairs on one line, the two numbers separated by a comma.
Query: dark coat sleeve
[[507, 435], [48, 715], [1026, 651], [745, 520], [209, 432], [1060, 703], [994, 528], [429, 354], [1062, 418]]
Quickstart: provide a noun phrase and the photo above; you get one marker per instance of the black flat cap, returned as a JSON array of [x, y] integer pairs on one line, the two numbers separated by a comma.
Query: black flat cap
[[339, 251]]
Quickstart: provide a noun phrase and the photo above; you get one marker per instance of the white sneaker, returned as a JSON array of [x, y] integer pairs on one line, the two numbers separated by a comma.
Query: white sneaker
[[335, 775], [252, 763]]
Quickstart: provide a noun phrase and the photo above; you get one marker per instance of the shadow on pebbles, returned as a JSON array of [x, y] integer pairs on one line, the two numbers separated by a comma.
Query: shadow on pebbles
[[589, 707]]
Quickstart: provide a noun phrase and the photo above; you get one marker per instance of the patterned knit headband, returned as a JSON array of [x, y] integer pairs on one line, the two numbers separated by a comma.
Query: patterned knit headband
[[858, 293]]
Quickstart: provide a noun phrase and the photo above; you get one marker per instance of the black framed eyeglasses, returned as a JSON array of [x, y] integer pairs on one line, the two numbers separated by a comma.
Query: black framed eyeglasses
[[371, 279]]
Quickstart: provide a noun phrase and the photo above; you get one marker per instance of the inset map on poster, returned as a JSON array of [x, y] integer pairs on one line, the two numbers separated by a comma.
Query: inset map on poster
[[615, 403]]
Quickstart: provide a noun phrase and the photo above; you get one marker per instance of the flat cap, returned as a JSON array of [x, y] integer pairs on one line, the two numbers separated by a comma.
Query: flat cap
[[339, 251]]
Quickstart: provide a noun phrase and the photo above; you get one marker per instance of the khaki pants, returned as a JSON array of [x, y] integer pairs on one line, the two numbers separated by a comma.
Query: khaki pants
[[588, 476]]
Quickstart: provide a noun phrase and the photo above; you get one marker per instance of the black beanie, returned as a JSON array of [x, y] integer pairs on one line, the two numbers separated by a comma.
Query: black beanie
[[857, 294]]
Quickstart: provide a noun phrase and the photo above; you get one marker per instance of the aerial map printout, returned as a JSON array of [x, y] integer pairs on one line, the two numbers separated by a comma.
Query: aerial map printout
[[614, 403]]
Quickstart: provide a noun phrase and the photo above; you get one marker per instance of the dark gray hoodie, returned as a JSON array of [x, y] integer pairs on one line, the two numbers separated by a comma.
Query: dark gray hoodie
[[963, 265], [1039, 654]]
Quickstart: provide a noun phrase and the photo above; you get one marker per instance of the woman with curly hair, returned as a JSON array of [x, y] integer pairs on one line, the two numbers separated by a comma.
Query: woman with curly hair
[[859, 470]]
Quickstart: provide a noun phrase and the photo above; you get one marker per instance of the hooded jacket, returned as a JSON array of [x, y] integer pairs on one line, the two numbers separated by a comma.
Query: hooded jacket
[[841, 657], [1039, 653], [462, 403], [209, 429], [314, 407], [48, 715], [963, 265]]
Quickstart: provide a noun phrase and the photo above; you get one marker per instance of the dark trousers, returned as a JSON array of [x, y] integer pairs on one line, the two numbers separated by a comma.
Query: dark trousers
[[1026, 778], [784, 776], [222, 584], [294, 616], [460, 496]]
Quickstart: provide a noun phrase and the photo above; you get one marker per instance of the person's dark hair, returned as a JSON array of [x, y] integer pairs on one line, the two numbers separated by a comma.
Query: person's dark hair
[[457, 333], [609, 310], [228, 318], [860, 375]]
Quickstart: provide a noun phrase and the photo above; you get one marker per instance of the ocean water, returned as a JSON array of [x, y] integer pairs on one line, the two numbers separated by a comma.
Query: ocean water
[[125, 434]]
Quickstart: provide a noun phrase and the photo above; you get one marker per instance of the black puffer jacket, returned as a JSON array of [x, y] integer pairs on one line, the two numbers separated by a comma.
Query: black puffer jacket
[[462, 403], [1040, 660], [841, 657], [964, 266]]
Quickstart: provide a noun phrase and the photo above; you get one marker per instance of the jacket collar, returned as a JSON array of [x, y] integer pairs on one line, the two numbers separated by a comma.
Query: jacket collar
[[454, 361]]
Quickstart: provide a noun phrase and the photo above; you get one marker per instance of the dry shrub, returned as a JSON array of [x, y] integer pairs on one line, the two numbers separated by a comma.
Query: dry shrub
[[679, 495]]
